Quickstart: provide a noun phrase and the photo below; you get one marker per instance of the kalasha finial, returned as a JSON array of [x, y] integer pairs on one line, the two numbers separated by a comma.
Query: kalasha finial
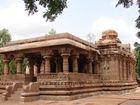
[[109, 36], [110, 33]]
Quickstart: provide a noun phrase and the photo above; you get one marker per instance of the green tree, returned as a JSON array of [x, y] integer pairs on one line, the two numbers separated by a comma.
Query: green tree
[[53, 7], [127, 4], [91, 38], [1, 65], [4, 38], [52, 32], [137, 55], [25, 63], [12, 66]]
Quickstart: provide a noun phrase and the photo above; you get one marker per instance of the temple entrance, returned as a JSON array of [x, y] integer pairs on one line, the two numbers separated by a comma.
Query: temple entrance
[[33, 66], [56, 62]]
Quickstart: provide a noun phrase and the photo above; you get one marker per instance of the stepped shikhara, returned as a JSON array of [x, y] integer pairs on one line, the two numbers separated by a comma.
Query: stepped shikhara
[[65, 67]]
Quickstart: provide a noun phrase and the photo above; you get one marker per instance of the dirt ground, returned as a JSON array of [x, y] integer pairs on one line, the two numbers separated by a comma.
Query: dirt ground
[[124, 99]]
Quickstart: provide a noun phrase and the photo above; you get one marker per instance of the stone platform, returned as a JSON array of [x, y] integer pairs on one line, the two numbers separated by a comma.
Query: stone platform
[[132, 98], [69, 86]]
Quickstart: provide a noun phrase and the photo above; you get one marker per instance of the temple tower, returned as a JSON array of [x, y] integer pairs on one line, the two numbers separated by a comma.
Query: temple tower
[[116, 58]]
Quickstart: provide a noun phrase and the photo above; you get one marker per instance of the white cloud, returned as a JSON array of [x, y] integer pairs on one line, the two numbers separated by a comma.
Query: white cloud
[[15, 19], [126, 32]]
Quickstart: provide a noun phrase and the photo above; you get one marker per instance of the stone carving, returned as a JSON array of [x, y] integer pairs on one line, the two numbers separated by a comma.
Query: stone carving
[[30, 92], [65, 50]]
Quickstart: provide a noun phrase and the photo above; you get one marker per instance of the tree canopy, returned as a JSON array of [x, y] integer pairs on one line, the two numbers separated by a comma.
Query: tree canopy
[[4, 37], [53, 7], [91, 38], [127, 4], [137, 54], [56, 7]]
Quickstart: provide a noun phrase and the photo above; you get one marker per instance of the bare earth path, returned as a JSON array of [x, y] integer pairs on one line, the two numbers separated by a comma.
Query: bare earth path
[[125, 99]]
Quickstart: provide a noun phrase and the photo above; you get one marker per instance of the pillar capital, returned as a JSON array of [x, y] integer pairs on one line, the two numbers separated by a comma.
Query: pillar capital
[[19, 59], [47, 56], [65, 55], [5, 56], [65, 51], [47, 64], [6, 60]]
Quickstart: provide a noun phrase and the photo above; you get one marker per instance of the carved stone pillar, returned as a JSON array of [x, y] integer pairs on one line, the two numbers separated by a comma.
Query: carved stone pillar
[[65, 53], [117, 68], [128, 69], [124, 65], [6, 67], [19, 65], [120, 69], [75, 63], [65, 63], [47, 64], [89, 68]]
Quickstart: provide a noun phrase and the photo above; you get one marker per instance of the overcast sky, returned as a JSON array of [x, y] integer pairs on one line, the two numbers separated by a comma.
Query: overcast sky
[[80, 18]]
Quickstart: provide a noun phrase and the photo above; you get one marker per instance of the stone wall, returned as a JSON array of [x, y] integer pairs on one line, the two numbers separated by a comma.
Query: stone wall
[[73, 86]]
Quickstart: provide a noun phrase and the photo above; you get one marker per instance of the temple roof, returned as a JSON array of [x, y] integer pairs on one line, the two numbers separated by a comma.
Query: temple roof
[[46, 41], [109, 36]]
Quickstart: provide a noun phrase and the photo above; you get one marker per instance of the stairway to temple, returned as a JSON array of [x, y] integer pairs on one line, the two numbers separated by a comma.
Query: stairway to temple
[[16, 95]]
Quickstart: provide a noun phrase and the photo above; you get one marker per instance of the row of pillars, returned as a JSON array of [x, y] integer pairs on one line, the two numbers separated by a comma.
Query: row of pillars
[[65, 57], [33, 68], [18, 66]]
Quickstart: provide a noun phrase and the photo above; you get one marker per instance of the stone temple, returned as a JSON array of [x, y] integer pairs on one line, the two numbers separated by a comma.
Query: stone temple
[[65, 67]]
